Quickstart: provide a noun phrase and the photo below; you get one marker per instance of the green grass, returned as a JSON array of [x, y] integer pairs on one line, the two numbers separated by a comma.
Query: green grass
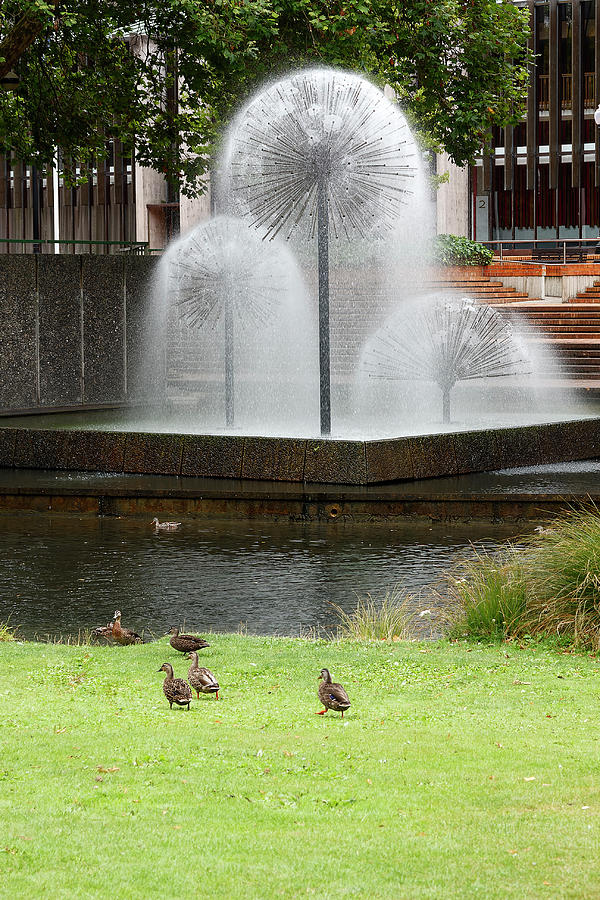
[[460, 771]]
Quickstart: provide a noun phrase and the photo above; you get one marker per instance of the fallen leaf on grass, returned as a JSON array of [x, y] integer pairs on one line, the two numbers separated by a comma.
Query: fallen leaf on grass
[[521, 682], [108, 768], [529, 778]]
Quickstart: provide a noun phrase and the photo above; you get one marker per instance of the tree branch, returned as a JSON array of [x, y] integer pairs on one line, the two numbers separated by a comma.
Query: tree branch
[[20, 39]]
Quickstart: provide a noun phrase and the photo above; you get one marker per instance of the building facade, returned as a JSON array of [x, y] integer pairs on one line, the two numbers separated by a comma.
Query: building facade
[[541, 181]]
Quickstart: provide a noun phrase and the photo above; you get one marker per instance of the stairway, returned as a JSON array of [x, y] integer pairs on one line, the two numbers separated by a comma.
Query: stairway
[[480, 289], [571, 331], [590, 295]]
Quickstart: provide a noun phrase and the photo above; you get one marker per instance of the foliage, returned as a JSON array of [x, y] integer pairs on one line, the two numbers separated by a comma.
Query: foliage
[[452, 250], [485, 598], [445, 747], [458, 67], [386, 619], [548, 586], [7, 633]]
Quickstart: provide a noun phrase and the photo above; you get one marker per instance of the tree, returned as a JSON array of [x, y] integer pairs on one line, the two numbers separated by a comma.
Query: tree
[[97, 69]]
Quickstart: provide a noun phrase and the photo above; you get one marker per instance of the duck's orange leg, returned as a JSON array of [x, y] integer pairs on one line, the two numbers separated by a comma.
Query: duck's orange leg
[[321, 712], [216, 695]]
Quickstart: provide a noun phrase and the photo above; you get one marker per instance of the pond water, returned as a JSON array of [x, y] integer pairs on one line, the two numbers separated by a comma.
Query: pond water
[[62, 574]]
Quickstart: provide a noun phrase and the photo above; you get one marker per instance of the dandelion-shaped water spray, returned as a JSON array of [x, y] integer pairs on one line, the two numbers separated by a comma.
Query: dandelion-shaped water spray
[[322, 150], [222, 271], [445, 340]]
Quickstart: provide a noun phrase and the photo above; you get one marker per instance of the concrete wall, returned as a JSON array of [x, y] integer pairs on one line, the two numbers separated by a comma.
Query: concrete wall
[[452, 199], [70, 328], [309, 460]]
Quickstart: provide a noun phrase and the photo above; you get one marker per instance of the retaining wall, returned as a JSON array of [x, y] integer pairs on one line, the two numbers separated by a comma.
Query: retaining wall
[[70, 329], [300, 460]]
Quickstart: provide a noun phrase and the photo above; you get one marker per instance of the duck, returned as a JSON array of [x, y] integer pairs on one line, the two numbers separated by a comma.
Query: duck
[[165, 526], [201, 679], [122, 635], [176, 690], [332, 696], [103, 631], [186, 643]]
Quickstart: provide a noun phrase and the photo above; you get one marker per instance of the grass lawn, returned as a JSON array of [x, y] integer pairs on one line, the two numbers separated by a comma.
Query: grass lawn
[[459, 771]]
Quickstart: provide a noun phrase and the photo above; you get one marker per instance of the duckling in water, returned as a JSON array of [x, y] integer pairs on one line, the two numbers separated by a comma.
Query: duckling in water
[[200, 678], [165, 526], [187, 643], [332, 696], [176, 690]]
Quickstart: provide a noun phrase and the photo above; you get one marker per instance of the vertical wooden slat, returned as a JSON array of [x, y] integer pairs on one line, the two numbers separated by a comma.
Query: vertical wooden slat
[[597, 90], [487, 172], [18, 185], [577, 97], [118, 163], [554, 104], [509, 133], [3, 190], [67, 193], [49, 194], [101, 180], [532, 139]]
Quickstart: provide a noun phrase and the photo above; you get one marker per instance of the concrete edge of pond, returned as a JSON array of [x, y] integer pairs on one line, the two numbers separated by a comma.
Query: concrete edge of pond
[[299, 460], [95, 494]]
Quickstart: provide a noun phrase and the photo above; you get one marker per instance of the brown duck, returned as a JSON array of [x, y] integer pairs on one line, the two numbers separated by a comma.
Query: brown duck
[[103, 631], [176, 690], [201, 679], [124, 635], [187, 643], [332, 696]]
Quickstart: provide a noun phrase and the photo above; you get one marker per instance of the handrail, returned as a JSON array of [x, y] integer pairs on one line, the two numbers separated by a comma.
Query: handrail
[[558, 243], [140, 247]]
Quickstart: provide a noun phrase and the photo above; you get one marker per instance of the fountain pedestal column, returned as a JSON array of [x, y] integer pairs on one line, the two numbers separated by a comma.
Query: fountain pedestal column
[[323, 270]]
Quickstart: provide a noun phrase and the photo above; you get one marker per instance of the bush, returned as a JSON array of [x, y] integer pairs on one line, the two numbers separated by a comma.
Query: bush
[[451, 250]]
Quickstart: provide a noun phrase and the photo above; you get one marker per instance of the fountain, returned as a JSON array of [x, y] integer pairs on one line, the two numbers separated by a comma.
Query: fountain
[[323, 151], [227, 296], [445, 340], [260, 315]]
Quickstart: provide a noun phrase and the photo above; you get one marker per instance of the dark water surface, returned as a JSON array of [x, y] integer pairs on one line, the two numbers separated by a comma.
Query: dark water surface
[[60, 574]]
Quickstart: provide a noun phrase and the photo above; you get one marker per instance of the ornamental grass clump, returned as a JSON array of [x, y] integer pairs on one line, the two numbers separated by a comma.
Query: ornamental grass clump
[[563, 565], [486, 597], [548, 586], [386, 619]]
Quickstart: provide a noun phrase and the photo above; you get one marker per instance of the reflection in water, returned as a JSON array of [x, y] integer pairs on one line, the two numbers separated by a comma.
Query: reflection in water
[[60, 574]]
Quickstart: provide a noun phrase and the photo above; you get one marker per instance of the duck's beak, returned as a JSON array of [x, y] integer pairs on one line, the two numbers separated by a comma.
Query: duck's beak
[[160, 670]]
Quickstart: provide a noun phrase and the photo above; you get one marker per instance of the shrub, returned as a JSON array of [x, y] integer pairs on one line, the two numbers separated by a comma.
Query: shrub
[[451, 250]]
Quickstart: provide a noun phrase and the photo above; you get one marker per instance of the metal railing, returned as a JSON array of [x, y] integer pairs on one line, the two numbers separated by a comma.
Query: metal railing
[[556, 250], [137, 248]]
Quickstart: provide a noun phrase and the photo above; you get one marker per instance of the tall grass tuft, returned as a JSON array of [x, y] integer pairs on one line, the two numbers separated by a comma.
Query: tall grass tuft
[[486, 597], [548, 586], [7, 633], [386, 619]]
